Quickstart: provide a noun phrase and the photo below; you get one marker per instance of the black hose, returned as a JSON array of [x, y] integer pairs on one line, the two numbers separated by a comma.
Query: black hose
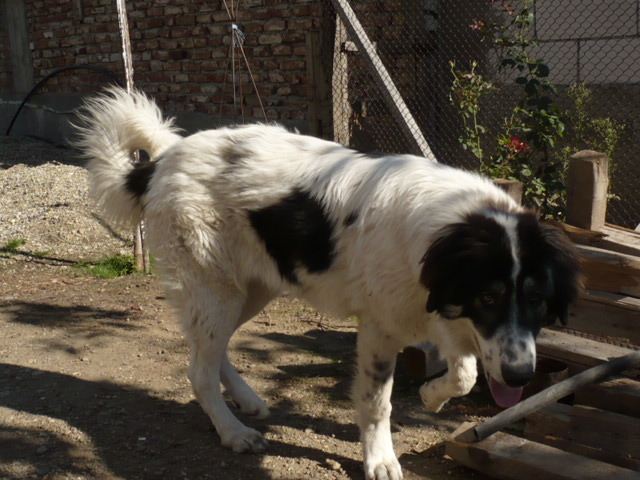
[[102, 71]]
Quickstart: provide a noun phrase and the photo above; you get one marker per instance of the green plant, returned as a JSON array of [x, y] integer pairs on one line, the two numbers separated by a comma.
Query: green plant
[[467, 90], [595, 133], [12, 245], [523, 150], [109, 267], [589, 132]]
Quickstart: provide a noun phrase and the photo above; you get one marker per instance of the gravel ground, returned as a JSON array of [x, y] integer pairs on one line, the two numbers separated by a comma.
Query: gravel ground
[[93, 372], [44, 201]]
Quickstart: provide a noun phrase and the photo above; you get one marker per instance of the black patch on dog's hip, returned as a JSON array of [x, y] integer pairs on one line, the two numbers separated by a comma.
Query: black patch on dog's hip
[[296, 232]]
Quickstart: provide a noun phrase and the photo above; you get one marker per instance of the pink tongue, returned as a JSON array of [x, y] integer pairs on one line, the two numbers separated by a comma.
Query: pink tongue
[[504, 396]]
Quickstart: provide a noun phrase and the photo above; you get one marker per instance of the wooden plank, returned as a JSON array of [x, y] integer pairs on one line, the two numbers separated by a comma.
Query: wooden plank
[[615, 239], [17, 28], [588, 431], [610, 271], [380, 74], [620, 312], [318, 93], [580, 353], [619, 395], [505, 456], [622, 234]]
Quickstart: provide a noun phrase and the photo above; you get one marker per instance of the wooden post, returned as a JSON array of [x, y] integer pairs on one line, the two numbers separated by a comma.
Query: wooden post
[[383, 79], [587, 189], [15, 22], [340, 87], [142, 265], [514, 188], [318, 92]]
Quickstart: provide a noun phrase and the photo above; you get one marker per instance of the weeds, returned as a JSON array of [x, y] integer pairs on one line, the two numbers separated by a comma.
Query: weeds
[[109, 267], [11, 247]]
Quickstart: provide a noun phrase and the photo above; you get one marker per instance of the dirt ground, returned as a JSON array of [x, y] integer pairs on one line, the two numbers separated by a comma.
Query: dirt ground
[[93, 385]]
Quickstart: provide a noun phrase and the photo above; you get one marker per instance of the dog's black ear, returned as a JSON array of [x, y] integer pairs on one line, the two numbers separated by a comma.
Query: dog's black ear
[[546, 246], [566, 270], [459, 255]]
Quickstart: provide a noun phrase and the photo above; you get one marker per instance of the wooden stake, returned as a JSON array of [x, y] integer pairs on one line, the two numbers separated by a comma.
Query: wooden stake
[[138, 237], [383, 79]]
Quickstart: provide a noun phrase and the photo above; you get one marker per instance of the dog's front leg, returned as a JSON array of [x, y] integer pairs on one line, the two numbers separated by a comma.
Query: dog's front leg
[[457, 382], [372, 397]]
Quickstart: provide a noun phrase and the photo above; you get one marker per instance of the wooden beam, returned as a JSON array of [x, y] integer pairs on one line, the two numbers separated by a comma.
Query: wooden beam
[[505, 456], [317, 94], [619, 395], [610, 271], [591, 432], [17, 28], [580, 353], [607, 314], [550, 395], [380, 74]]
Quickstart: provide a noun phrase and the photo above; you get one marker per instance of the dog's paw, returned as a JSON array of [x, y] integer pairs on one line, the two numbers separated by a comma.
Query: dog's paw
[[430, 398], [245, 440], [387, 469]]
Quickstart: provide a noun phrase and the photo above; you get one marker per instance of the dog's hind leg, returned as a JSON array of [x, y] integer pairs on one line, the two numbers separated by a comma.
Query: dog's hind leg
[[243, 395], [212, 317], [372, 397]]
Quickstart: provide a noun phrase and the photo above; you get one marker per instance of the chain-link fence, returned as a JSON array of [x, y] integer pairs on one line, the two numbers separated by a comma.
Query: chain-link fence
[[511, 87]]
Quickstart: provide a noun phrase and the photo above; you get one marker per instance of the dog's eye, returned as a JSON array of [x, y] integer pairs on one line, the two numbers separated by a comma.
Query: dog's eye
[[488, 298]]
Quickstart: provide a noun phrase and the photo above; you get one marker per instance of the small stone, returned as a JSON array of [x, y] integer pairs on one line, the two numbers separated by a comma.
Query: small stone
[[42, 449], [332, 464]]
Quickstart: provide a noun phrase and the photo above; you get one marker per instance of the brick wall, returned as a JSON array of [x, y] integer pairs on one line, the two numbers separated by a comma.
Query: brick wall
[[181, 51]]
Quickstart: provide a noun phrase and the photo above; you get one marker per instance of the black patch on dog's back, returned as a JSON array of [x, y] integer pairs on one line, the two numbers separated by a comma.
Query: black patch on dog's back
[[296, 232], [233, 153], [138, 178]]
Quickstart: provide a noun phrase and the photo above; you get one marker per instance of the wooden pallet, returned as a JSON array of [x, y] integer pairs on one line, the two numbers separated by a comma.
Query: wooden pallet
[[598, 437]]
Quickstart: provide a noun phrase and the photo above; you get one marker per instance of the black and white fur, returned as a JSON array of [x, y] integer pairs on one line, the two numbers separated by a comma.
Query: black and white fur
[[416, 250]]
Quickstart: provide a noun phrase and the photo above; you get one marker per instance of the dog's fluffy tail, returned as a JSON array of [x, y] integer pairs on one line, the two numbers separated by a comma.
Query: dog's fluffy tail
[[111, 127]]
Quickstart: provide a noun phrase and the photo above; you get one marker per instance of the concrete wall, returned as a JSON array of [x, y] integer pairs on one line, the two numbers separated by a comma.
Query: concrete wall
[[589, 41]]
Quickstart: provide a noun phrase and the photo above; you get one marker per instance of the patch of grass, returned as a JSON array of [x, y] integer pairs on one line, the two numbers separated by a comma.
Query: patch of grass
[[42, 253], [12, 245], [109, 267]]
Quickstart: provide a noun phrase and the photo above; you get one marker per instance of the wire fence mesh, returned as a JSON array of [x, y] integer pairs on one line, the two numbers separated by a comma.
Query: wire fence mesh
[[511, 87]]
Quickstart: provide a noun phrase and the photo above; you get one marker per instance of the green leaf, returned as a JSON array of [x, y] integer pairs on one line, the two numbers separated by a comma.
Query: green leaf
[[542, 70]]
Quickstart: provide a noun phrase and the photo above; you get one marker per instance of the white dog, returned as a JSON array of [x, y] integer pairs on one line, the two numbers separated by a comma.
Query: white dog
[[416, 250]]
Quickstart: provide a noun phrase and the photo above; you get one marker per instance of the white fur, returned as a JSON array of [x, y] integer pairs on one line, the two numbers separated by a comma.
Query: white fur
[[218, 273]]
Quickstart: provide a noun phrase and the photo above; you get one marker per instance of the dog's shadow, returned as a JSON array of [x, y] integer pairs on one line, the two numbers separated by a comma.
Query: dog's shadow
[[134, 433]]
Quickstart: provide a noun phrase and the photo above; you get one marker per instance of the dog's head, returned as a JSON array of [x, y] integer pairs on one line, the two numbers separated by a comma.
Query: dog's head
[[510, 275]]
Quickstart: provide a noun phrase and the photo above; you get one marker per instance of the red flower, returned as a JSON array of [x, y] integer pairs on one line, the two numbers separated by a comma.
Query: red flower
[[518, 146]]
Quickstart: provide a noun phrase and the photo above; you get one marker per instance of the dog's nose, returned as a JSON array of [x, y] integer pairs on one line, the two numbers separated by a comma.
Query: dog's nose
[[518, 375]]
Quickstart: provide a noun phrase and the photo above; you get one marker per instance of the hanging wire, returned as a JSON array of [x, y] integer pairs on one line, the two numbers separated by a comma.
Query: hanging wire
[[237, 41]]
